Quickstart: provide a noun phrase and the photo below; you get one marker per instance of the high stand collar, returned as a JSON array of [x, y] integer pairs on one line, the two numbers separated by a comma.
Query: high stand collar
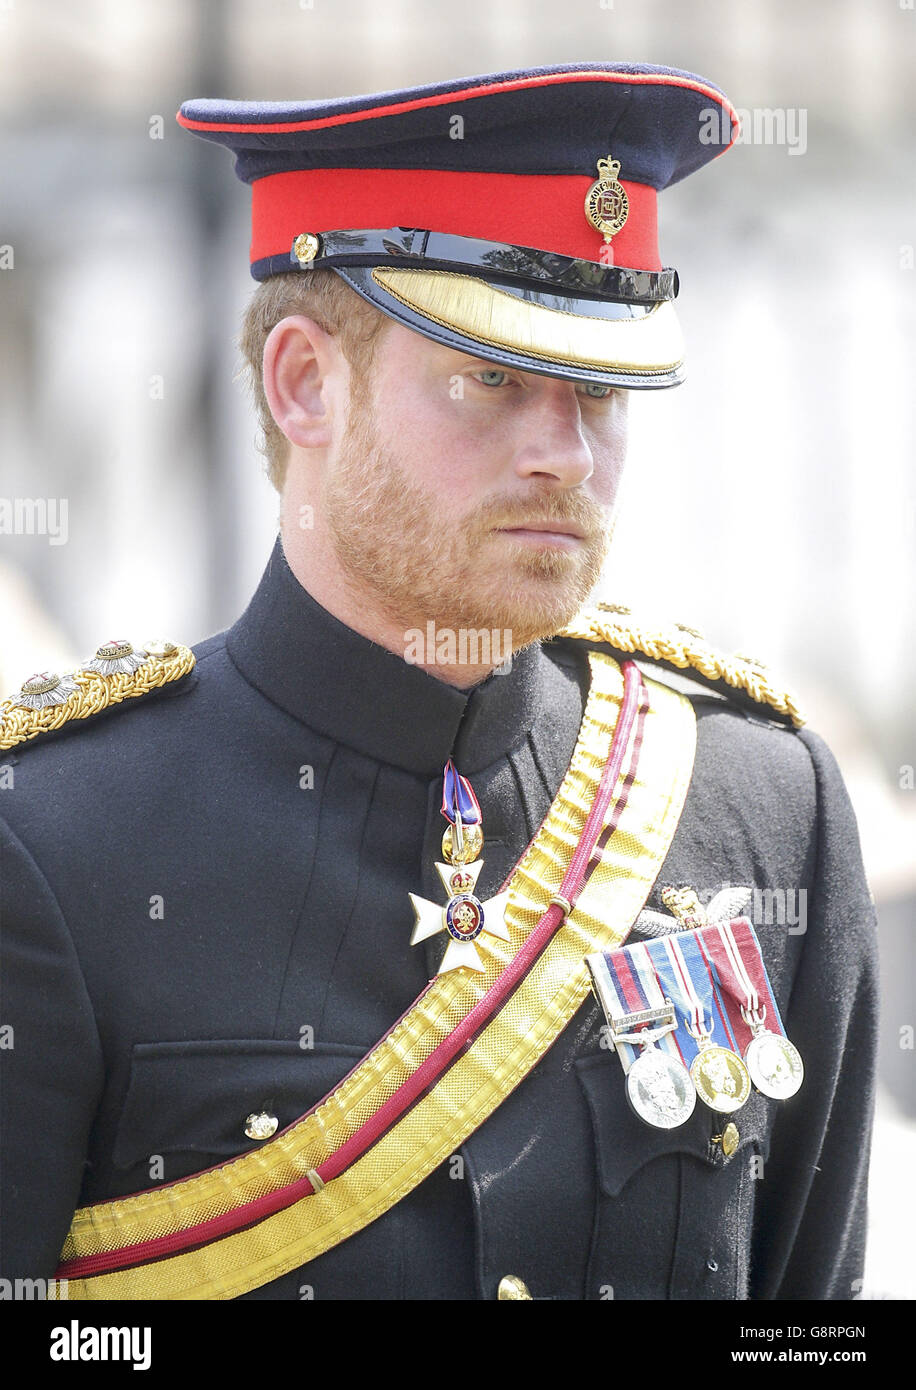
[[356, 692]]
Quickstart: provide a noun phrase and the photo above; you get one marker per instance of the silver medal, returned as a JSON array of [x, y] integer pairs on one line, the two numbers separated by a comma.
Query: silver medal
[[660, 1090], [658, 1085], [775, 1065]]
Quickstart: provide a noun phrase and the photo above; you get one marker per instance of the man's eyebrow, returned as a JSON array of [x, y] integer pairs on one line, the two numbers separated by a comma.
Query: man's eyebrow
[[484, 362]]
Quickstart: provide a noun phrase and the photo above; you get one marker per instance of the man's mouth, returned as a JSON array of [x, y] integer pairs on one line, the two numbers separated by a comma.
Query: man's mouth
[[545, 533]]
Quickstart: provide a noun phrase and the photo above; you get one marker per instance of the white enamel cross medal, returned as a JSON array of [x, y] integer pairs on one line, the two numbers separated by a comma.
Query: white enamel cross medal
[[464, 917]]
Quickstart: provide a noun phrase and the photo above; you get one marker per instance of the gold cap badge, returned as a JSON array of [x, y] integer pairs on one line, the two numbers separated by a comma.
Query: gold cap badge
[[606, 203]]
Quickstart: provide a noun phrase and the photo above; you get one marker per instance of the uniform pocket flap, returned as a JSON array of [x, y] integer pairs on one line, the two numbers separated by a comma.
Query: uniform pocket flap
[[196, 1096], [624, 1143]]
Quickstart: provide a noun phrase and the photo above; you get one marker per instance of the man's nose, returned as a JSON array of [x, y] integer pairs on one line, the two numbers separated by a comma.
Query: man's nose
[[552, 443]]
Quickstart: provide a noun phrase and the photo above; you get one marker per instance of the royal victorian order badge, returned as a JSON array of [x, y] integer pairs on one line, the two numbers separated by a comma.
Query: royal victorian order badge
[[464, 917]]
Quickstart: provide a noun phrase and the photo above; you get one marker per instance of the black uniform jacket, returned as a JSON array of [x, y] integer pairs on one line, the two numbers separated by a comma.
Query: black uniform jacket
[[204, 914]]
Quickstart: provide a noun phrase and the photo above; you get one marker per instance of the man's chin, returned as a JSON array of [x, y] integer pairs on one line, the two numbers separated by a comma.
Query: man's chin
[[534, 624], [522, 612], [542, 594]]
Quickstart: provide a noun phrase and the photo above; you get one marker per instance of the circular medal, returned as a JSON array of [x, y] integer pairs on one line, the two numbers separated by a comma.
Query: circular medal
[[473, 844], [659, 1089], [721, 1078], [775, 1065], [464, 917]]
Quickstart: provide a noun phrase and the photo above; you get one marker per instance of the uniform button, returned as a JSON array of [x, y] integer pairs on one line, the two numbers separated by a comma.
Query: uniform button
[[306, 247], [511, 1287], [261, 1125], [161, 648], [728, 1139], [712, 1266]]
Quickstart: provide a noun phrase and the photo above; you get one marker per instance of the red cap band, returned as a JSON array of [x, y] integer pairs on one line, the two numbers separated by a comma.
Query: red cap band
[[545, 211]]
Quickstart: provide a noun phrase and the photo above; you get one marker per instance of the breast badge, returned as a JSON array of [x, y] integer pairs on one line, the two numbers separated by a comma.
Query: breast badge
[[464, 917]]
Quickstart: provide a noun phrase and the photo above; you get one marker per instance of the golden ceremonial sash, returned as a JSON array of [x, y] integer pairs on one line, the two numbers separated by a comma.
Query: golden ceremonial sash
[[444, 1067]]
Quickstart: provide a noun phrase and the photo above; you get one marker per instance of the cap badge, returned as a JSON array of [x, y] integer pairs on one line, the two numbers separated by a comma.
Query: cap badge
[[606, 203]]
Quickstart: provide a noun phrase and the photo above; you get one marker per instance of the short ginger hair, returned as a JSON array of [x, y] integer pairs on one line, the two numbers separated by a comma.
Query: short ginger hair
[[323, 296]]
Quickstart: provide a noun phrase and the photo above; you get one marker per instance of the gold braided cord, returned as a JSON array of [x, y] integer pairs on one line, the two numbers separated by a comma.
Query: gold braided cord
[[497, 1060], [94, 693], [684, 648]]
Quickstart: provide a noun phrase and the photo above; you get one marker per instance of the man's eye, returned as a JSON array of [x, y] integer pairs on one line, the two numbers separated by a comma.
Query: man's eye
[[492, 377], [597, 391]]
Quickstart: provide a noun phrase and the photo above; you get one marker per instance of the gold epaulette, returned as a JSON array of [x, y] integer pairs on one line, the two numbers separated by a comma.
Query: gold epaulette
[[683, 648], [117, 672]]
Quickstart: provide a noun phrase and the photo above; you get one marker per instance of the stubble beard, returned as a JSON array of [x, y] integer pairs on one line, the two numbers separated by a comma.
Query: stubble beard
[[412, 560]]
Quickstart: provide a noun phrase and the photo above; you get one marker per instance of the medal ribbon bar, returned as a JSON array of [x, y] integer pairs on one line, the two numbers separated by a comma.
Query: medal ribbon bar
[[736, 963], [658, 1086], [683, 975]]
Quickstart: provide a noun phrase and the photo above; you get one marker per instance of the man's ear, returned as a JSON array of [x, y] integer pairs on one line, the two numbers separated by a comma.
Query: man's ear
[[303, 372]]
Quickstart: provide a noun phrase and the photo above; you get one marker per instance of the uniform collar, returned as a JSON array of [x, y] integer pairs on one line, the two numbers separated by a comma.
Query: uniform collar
[[352, 690]]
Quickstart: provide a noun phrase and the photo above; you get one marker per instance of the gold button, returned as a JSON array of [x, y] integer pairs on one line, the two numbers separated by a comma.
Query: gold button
[[261, 1126], [306, 247], [728, 1139], [511, 1287], [161, 648]]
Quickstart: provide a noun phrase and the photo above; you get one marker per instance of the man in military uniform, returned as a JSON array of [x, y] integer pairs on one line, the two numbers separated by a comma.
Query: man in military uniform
[[232, 1075]]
